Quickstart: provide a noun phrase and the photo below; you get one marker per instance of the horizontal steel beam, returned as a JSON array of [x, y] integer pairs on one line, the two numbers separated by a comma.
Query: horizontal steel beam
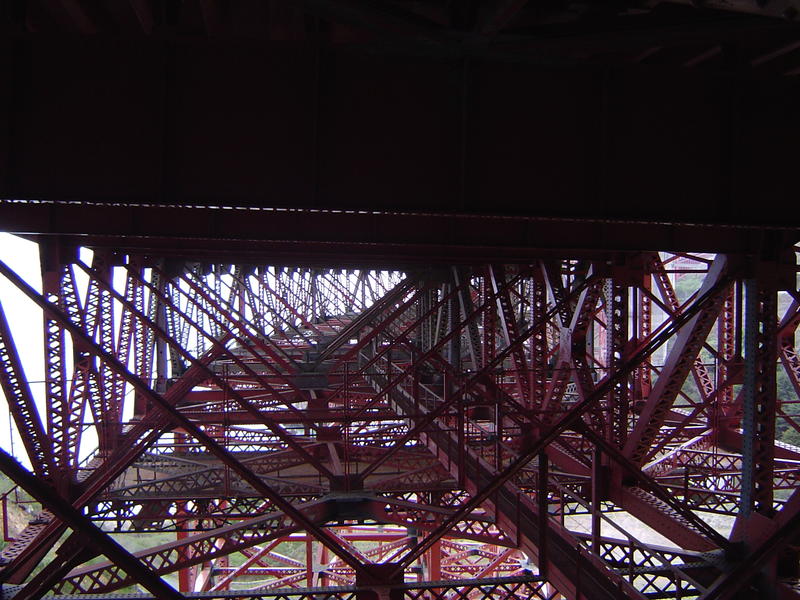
[[382, 239], [616, 157]]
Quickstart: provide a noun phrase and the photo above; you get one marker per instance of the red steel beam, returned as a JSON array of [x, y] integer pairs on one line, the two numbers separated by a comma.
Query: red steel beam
[[82, 525], [567, 421], [21, 404], [509, 329], [132, 445], [167, 409], [681, 358], [211, 375], [475, 378]]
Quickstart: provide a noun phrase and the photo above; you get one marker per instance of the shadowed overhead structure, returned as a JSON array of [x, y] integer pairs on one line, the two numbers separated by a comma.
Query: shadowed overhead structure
[[403, 299]]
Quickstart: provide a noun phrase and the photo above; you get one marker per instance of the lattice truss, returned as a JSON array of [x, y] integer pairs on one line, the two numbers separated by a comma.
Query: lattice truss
[[558, 429]]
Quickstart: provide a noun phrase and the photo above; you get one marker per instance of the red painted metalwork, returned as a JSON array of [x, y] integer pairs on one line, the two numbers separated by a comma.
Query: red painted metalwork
[[307, 431], [21, 404], [91, 534], [682, 357], [760, 402], [403, 299]]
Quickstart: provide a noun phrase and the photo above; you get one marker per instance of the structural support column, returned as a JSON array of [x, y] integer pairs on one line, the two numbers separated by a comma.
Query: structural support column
[[759, 396], [617, 332]]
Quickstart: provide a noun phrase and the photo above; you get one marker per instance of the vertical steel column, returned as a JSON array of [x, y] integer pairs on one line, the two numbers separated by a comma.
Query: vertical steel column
[[324, 559], [509, 330], [616, 340], [106, 408], [543, 510], [423, 307], [144, 339], [160, 385], [538, 309], [726, 343], [60, 425], [644, 329], [309, 561], [454, 346], [434, 562], [473, 339], [489, 324], [759, 396], [597, 495]]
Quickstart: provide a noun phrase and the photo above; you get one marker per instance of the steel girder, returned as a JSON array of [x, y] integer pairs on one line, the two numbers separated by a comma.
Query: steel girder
[[401, 420]]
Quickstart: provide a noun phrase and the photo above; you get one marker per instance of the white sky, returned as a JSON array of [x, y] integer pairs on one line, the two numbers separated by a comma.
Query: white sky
[[25, 320]]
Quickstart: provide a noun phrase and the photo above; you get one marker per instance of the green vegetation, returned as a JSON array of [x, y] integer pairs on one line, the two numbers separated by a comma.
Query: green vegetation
[[790, 405], [685, 285], [21, 509]]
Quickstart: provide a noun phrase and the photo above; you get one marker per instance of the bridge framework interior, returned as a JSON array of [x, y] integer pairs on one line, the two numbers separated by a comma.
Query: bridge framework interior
[[365, 299]]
